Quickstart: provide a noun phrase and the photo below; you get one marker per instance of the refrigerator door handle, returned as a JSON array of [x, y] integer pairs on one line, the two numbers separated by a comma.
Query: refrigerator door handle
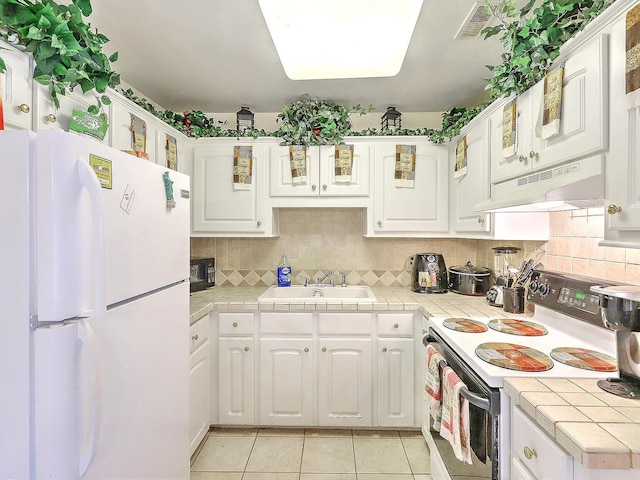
[[89, 343], [89, 180]]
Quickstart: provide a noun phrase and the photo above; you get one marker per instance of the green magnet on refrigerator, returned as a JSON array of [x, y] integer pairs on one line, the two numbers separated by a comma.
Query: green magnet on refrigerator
[[168, 189]]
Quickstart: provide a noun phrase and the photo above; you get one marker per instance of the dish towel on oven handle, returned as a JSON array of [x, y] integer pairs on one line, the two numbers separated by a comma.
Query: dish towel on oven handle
[[455, 415], [432, 385]]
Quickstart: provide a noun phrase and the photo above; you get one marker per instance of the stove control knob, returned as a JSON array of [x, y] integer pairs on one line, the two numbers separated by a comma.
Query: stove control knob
[[533, 286], [543, 289]]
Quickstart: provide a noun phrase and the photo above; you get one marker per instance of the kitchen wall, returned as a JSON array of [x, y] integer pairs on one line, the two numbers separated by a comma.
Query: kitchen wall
[[316, 240]]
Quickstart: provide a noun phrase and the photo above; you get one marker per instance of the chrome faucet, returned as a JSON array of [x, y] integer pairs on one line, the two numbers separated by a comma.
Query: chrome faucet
[[343, 279], [324, 277]]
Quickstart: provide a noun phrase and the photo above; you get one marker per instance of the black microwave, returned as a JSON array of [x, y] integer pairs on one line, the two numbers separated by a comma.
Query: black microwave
[[203, 273]]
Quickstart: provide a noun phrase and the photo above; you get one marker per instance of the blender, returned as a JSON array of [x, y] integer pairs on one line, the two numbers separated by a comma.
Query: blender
[[503, 258], [620, 309]]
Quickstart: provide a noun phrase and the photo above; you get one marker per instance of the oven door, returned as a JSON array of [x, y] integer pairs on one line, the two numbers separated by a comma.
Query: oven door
[[484, 418]]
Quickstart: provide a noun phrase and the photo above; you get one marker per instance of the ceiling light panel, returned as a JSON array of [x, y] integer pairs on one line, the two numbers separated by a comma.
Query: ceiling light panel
[[341, 39]]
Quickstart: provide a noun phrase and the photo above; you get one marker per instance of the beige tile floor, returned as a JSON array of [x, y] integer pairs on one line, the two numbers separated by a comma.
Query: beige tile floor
[[283, 454]]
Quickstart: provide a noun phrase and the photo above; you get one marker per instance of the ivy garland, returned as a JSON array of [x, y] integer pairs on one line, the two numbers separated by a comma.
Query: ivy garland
[[531, 38]]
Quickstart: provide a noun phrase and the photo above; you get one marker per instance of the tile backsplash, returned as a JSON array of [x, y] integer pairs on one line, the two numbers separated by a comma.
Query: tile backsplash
[[316, 240]]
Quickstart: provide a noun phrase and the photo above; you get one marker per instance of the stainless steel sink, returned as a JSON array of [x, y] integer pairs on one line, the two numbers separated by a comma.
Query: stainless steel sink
[[318, 293]]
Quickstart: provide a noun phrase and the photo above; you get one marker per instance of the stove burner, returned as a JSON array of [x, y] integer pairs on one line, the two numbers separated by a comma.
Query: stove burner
[[517, 327], [465, 325], [585, 359], [514, 357]]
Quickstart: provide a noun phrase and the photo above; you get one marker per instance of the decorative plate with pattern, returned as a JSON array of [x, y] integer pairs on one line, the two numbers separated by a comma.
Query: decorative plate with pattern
[[514, 357], [517, 327], [585, 359], [465, 325]]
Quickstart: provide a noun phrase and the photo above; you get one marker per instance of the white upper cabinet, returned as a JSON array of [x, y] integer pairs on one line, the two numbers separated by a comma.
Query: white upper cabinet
[[221, 208], [322, 186], [16, 84], [622, 207], [48, 117], [418, 210], [583, 122], [473, 187]]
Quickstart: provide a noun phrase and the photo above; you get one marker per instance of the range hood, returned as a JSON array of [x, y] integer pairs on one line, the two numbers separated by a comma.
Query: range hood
[[570, 186]]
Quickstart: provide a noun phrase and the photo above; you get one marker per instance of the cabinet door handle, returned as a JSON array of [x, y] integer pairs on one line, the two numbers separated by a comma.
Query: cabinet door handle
[[384, 349], [613, 209], [51, 118], [522, 159], [234, 324], [530, 453], [258, 223], [324, 349], [246, 349], [194, 338], [24, 108], [306, 349], [313, 187], [480, 220], [533, 155], [395, 325], [324, 187], [379, 223]]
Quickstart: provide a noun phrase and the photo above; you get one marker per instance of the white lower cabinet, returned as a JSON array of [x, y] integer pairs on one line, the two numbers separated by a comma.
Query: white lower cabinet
[[345, 383], [315, 368], [286, 378], [535, 455], [396, 395], [236, 381], [199, 383]]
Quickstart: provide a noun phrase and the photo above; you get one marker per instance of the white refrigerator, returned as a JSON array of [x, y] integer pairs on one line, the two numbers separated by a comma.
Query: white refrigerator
[[94, 319]]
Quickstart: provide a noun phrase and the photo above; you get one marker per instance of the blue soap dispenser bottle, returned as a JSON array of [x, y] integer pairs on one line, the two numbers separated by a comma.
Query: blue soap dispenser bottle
[[284, 273]]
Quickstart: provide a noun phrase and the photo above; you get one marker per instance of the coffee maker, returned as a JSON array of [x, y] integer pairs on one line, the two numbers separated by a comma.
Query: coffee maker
[[429, 273], [620, 308]]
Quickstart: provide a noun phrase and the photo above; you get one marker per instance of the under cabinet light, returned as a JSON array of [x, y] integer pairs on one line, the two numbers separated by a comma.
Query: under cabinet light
[[328, 39]]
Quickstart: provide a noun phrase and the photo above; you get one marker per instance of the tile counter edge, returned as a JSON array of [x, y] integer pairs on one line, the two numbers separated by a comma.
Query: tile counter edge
[[387, 298], [601, 432]]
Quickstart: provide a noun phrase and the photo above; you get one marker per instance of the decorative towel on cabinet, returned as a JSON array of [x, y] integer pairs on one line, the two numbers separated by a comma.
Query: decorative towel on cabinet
[[405, 173], [509, 120], [455, 415], [138, 134], [552, 105], [171, 146], [432, 386], [298, 160], [242, 167], [461, 158], [344, 163], [632, 71]]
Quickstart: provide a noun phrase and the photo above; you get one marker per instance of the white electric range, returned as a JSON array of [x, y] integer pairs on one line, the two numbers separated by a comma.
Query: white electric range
[[565, 332]]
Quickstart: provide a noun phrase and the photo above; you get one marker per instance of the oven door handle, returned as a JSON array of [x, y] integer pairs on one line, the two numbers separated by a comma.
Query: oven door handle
[[473, 398]]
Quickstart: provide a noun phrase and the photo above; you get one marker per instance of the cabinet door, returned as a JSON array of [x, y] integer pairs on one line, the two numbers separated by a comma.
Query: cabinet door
[[520, 163], [623, 161], [16, 84], [423, 208], [199, 397], [585, 106], [121, 136], [345, 389], [219, 208], [236, 381], [357, 186], [286, 381], [473, 187], [280, 178], [48, 117], [395, 382]]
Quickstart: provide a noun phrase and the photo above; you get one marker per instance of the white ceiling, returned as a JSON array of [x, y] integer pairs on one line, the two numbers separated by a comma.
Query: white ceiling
[[217, 55]]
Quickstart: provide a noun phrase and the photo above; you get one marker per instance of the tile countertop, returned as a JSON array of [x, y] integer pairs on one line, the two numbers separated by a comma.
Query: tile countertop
[[599, 429], [441, 304]]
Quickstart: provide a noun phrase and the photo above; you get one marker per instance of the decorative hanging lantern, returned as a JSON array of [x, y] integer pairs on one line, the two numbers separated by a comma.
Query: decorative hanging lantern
[[391, 120], [244, 120]]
